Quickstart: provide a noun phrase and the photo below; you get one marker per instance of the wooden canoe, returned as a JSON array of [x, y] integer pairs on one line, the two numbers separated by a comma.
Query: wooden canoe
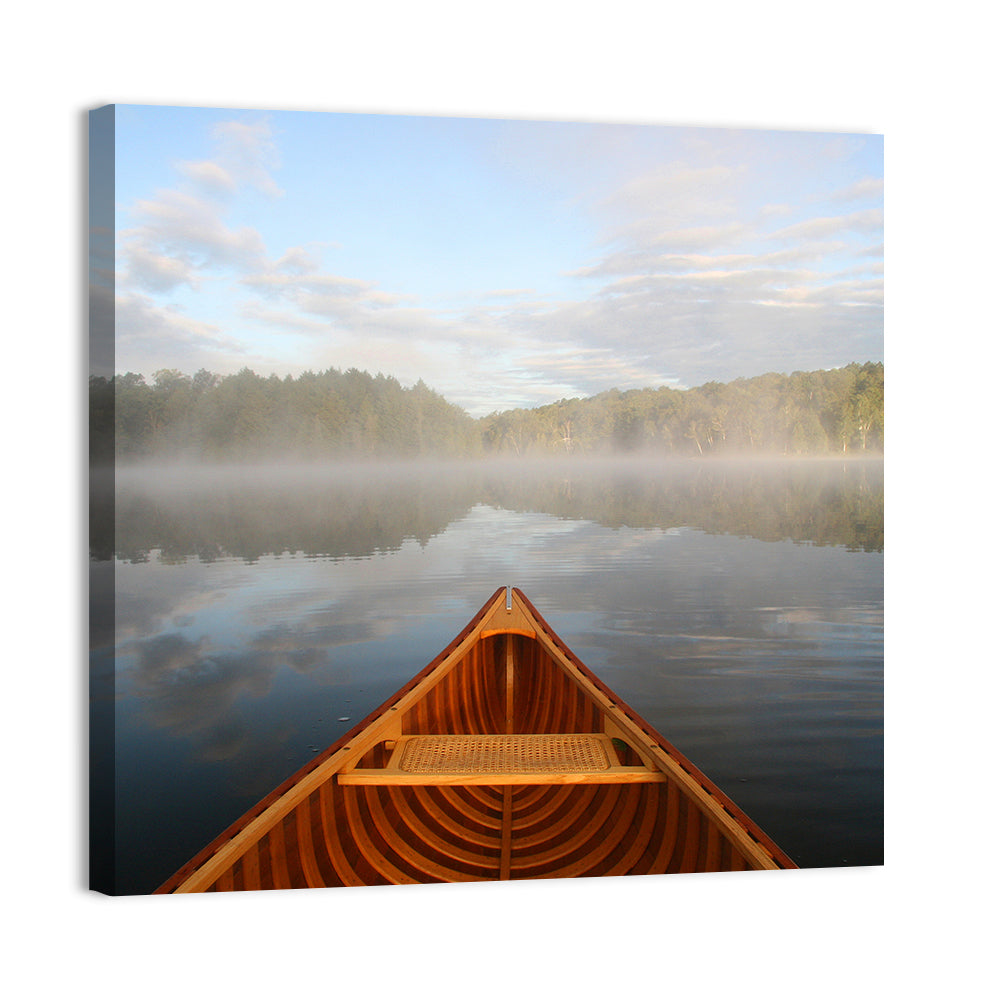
[[504, 758]]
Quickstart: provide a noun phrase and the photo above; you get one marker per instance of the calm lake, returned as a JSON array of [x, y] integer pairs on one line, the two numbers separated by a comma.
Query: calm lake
[[260, 613]]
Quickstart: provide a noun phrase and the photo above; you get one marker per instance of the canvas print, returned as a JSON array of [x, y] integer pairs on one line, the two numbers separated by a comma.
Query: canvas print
[[481, 500]]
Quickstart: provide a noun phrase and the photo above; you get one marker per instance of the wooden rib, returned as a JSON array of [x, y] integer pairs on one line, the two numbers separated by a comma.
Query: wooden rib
[[532, 798], [456, 848], [292, 852], [434, 816], [251, 868], [505, 833], [556, 853], [478, 804], [307, 852], [570, 814], [331, 837], [317, 839], [485, 797], [536, 805], [608, 844], [478, 701], [361, 835], [458, 706], [692, 838], [407, 852], [509, 686], [276, 854], [640, 839], [455, 801], [669, 834], [601, 841], [224, 883], [713, 849]]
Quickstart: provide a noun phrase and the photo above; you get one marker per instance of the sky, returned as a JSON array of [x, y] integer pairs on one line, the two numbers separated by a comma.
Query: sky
[[505, 263]]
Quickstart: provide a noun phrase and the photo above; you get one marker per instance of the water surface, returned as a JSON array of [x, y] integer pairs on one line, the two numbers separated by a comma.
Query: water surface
[[259, 614]]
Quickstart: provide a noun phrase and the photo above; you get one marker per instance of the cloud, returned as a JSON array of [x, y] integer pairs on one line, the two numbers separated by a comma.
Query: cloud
[[651, 262], [569, 370], [248, 152], [292, 286], [157, 272], [678, 207], [297, 260], [868, 221], [190, 229], [354, 306], [868, 187], [504, 293], [244, 155], [687, 329], [699, 284], [148, 337], [210, 177], [180, 234], [676, 192]]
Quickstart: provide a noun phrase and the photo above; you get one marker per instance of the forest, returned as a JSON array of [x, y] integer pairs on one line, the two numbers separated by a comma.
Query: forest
[[353, 414]]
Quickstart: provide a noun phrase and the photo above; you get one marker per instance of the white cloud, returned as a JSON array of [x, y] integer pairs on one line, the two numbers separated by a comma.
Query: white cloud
[[191, 229], [677, 208], [180, 234], [211, 177], [281, 321], [297, 260], [650, 262], [248, 152], [868, 221], [156, 272], [148, 337], [674, 192], [869, 187], [295, 286]]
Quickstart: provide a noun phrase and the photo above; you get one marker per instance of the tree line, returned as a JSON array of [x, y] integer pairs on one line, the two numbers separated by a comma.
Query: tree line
[[820, 412], [352, 413]]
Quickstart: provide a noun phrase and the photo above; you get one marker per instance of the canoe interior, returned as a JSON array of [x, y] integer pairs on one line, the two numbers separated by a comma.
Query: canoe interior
[[653, 812]]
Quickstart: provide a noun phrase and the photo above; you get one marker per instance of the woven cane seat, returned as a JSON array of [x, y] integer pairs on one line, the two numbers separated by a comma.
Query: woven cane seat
[[503, 754]]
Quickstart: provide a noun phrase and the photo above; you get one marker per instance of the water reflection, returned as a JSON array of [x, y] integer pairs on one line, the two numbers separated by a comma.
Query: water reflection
[[256, 623], [356, 511]]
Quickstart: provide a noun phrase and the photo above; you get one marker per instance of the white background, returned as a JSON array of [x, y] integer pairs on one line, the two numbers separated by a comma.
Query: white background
[[925, 81]]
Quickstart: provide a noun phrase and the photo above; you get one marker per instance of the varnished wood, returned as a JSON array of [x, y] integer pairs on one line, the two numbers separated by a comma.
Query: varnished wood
[[353, 817], [393, 776]]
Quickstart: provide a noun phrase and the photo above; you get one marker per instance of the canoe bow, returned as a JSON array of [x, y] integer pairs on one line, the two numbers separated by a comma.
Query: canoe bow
[[504, 758]]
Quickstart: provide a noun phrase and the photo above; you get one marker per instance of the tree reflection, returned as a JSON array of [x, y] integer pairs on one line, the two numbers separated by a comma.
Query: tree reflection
[[330, 513]]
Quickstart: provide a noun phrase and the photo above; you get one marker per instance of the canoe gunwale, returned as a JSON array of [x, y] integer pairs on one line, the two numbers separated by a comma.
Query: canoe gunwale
[[496, 617]]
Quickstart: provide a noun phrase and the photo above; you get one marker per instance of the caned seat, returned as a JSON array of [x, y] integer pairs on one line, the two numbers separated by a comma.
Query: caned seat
[[503, 754], [493, 759]]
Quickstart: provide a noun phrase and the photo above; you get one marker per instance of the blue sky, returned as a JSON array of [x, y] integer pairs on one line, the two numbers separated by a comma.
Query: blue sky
[[505, 263]]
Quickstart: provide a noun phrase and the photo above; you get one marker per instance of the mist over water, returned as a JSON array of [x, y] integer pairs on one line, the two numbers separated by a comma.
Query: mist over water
[[261, 611], [359, 508]]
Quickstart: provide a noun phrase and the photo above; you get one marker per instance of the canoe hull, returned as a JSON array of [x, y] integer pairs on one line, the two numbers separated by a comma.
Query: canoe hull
[[349, 819]]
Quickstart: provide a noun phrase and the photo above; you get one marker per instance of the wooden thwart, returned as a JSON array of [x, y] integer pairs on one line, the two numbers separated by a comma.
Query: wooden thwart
[[511, 759]]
